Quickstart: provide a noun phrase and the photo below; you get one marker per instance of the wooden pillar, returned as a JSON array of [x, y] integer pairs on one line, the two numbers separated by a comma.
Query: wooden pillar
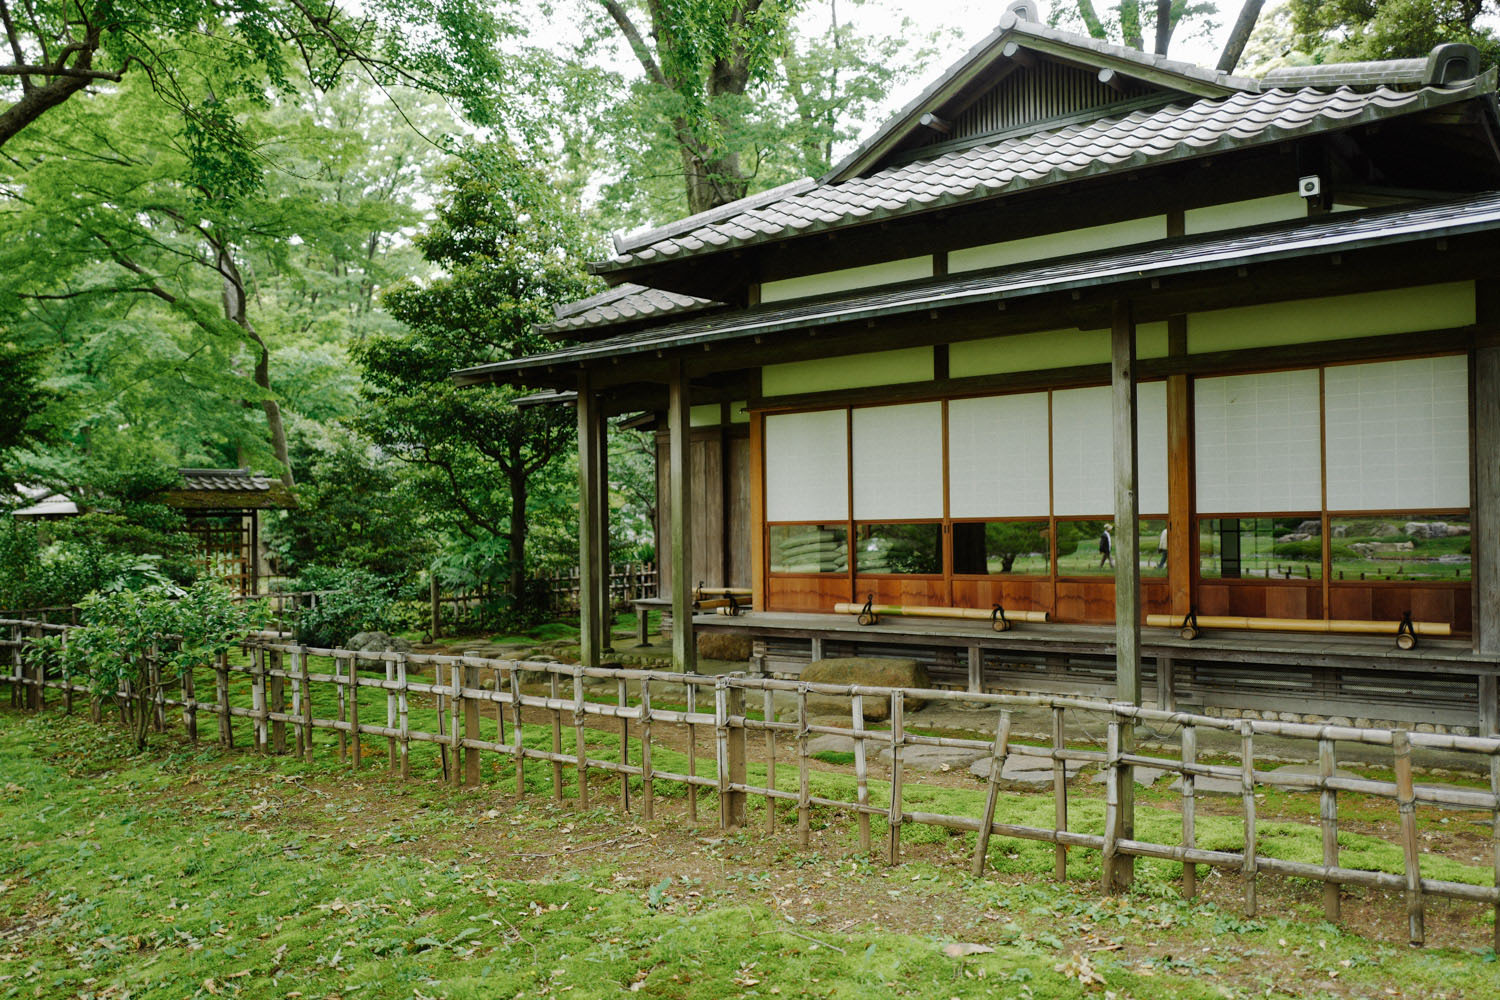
[[1486, 499], [757, 473], [588, 536], [601, 522], [1180, 560], [679, 480], [1120, 872]]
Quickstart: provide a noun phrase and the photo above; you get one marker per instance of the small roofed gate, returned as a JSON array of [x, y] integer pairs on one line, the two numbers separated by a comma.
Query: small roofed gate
[[222, 509], [721, 524]]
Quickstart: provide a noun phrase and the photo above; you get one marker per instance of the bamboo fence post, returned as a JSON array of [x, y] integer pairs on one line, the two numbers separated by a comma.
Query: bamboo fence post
[[1059, 795], [189, 704], [1495, 840], [992, 793], [441, 703], [516, 732], [738, 737], [403, 713], [1328, 816], [768, 713], [500, 689], [648, 789], [1406, 803], [455, 705], [338, 682], [15, 666], [391, 763], [39, 675], [622, 699], [1247, 791], [861, 772], [898, 738], [1189, 809], [692, 728], [304, 687], [67, 678], [804, 794], [471, 723], [258, 698], [278, 699], [580, 754], [354, 709], [1111, 809], [554, 692], [721, 743], [221, 691]]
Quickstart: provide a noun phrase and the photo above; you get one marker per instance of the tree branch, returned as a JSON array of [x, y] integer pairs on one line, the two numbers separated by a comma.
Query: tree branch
[[637, 43]]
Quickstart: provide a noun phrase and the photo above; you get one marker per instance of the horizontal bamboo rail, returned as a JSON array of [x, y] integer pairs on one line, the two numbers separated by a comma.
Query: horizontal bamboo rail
[[1348, 626], [921, 611], [719, 708]]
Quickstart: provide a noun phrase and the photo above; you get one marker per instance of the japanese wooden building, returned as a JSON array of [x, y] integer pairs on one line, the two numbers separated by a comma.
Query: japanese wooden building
[[1100, 335]]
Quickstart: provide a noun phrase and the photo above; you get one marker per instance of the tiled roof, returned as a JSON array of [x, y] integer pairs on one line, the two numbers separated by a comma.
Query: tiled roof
[[621, 304], [225, 480], [1344, 231], [1178, 130]]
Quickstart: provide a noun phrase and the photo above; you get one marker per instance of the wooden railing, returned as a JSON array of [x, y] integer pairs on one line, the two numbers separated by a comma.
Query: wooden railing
[[286, 679]]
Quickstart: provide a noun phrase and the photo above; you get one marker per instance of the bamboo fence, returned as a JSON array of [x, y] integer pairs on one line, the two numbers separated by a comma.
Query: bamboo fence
[[282, 681]]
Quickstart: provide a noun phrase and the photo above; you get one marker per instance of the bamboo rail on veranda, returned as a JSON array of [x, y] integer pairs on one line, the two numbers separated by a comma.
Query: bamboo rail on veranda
[[277, 669]]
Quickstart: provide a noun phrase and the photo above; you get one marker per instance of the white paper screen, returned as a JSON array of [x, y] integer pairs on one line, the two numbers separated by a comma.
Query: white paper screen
[[1258, 443], [1398, 434], [997, 456], [1083, 460], [807, 466], [898, 462]]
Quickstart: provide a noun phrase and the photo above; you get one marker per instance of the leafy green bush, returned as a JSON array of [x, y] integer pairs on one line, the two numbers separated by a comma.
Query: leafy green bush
[[351, 601], [1308, 549]]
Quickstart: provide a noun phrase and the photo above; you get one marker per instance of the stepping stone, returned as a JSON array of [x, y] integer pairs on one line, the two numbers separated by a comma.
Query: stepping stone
[[827, 743], [1144, 776], [1020, 773], [925, 758], [1312, 769], [1210, 785]]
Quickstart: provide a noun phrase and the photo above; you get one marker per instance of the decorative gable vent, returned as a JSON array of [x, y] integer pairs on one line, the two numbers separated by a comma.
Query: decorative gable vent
[[1038, 94]]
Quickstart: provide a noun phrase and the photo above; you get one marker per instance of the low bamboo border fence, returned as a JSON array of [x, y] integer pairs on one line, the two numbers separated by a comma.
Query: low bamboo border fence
[[460, 697]]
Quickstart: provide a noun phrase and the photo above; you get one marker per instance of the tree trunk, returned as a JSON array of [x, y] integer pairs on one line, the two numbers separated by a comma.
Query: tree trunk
[[236, 312], [1165, 25], [516, 547], [1239, 36], [37, 101]]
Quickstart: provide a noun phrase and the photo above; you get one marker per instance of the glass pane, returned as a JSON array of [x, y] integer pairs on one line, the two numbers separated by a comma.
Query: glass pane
[[809, 548], [898, 548], [1263, 548], [1085, 548], [1416, 547], [1017, 547], [1153, 547]]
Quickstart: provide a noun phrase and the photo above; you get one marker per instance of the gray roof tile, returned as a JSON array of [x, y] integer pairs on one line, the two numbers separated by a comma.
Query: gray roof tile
[[625, 302]]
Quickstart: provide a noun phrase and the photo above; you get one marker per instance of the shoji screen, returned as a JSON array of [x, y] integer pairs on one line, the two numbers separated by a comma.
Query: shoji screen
[[807, 466], [997, 456], [1398, 434], [1083, 474], [1258, 443], [898, 462]]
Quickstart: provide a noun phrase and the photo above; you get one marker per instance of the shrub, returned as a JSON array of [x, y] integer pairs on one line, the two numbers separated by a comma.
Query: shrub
[[351, 601]]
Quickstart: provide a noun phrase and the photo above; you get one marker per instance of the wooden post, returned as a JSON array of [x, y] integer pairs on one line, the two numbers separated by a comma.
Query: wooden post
[[735, 806], [1059, 796], [604, 607], [189, 705], [1328, 817], [1406, 803], [304, 684], [692, 748], [221, 692], [278, 700], [1189, 809], [1486, 489], [721, 744], [1247, 793], [258, 697], [804, 788], [1179, 476], [768, 712], [622, 700], [554, 692], [648, 790], [440, 703], [392, 764], [1126, 551], [1489, 710], [471, 725], [403, 714], [1110, 884], [992, 793], [354, 708], [579, 753], [680, 502], [976, 670], [1495, 841], [517, 735], [861, 776], [898, 738], [343, 691], [456, 703], [589, 640]]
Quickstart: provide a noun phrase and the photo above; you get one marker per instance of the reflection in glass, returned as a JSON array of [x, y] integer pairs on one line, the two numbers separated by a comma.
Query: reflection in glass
[[898, 548], [1018, 547], [1090, 548], [1152, 542], [1413, 547], [1260, 548], [809, 548]]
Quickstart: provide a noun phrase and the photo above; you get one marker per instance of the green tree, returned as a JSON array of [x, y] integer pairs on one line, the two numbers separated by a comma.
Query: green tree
[[506, 248], [22, 400], [1344, 30], [1125, 24]]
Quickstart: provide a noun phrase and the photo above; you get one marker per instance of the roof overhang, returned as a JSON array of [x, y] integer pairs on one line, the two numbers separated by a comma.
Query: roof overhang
[[1288, 241]]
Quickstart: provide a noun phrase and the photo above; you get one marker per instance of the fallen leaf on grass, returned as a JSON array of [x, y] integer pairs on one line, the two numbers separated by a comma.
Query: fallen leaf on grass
[[959, 949]]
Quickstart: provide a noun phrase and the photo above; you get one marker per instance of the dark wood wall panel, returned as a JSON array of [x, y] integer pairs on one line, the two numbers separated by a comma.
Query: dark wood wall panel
[[1013, 594], [806, 593], [1085, 601], [737, 511], [903, 590]]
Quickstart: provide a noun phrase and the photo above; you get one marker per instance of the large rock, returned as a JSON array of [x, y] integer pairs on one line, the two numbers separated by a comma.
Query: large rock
[[1023, 771], [867, 671], [378, 642], [928, 758], [723, 646]]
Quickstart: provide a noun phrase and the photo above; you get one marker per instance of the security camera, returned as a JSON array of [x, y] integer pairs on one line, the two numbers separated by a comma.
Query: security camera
[[1310, 186]]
